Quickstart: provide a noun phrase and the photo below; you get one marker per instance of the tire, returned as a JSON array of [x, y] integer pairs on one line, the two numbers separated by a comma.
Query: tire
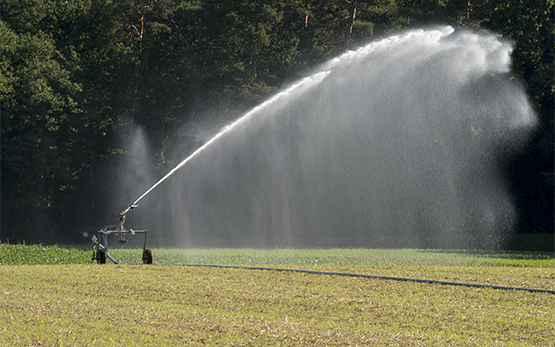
[[101, 256], [147, 256]]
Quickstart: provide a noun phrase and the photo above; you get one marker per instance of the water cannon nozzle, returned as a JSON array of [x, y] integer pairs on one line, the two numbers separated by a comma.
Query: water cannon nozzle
[[129, 208]]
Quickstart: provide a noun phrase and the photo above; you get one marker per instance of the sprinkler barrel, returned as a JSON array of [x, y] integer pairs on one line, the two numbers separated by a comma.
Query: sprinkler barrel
[[124, 212]]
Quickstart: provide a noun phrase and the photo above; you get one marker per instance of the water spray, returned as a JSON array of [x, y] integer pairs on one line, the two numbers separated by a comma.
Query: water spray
[[303, 84], [398, 140], [100, 244]]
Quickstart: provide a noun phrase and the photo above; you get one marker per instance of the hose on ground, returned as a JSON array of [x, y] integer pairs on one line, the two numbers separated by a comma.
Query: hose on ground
[[382, 277]]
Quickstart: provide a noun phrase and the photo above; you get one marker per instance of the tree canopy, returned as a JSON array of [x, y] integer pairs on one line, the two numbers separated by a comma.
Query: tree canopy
[[76, 75]]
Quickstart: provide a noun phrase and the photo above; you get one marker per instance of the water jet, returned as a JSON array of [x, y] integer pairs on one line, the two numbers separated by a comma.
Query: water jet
[[398, 144]]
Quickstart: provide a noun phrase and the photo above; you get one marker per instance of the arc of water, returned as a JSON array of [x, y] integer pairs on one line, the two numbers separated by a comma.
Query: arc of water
[[304, 83]]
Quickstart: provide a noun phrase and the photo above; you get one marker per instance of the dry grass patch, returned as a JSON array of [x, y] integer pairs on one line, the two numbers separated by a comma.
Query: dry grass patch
[[173, 305]]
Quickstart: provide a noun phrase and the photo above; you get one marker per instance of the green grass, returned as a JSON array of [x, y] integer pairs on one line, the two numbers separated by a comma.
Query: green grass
[[39, 254], [22, 254], [338, 256], [120, 305]]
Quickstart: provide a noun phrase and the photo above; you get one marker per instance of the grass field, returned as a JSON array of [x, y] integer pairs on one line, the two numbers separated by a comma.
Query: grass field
[[21, 254], [124, 305]]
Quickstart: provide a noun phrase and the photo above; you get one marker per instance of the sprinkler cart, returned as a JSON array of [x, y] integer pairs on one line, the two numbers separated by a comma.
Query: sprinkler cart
[[100, 243]]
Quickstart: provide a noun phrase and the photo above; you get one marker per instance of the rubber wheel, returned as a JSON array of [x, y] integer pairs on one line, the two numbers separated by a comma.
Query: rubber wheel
[[147, 256], [101, 256]]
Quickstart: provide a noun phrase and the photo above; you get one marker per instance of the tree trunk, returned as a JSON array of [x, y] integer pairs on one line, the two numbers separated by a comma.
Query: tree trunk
[[468, 9], [306, 15], [352, 15], [255, 54]]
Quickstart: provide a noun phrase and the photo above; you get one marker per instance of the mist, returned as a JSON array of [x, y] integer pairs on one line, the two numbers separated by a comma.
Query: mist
[[398, 144]]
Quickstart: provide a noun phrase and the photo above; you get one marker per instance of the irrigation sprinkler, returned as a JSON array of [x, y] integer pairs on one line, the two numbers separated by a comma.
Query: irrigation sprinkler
[[100, 243]]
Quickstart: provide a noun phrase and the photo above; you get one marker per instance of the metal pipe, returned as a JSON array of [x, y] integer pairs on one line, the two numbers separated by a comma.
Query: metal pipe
[[110, 257], [144, 246]]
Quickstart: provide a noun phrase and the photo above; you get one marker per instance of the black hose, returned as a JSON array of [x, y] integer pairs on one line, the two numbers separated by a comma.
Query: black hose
[[384, 278]]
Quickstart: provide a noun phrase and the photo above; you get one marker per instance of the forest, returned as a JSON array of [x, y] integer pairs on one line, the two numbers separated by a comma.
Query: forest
[[77, 75]]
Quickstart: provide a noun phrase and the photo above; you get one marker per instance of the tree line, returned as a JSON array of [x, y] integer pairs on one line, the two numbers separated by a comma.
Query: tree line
[[75, 75]]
